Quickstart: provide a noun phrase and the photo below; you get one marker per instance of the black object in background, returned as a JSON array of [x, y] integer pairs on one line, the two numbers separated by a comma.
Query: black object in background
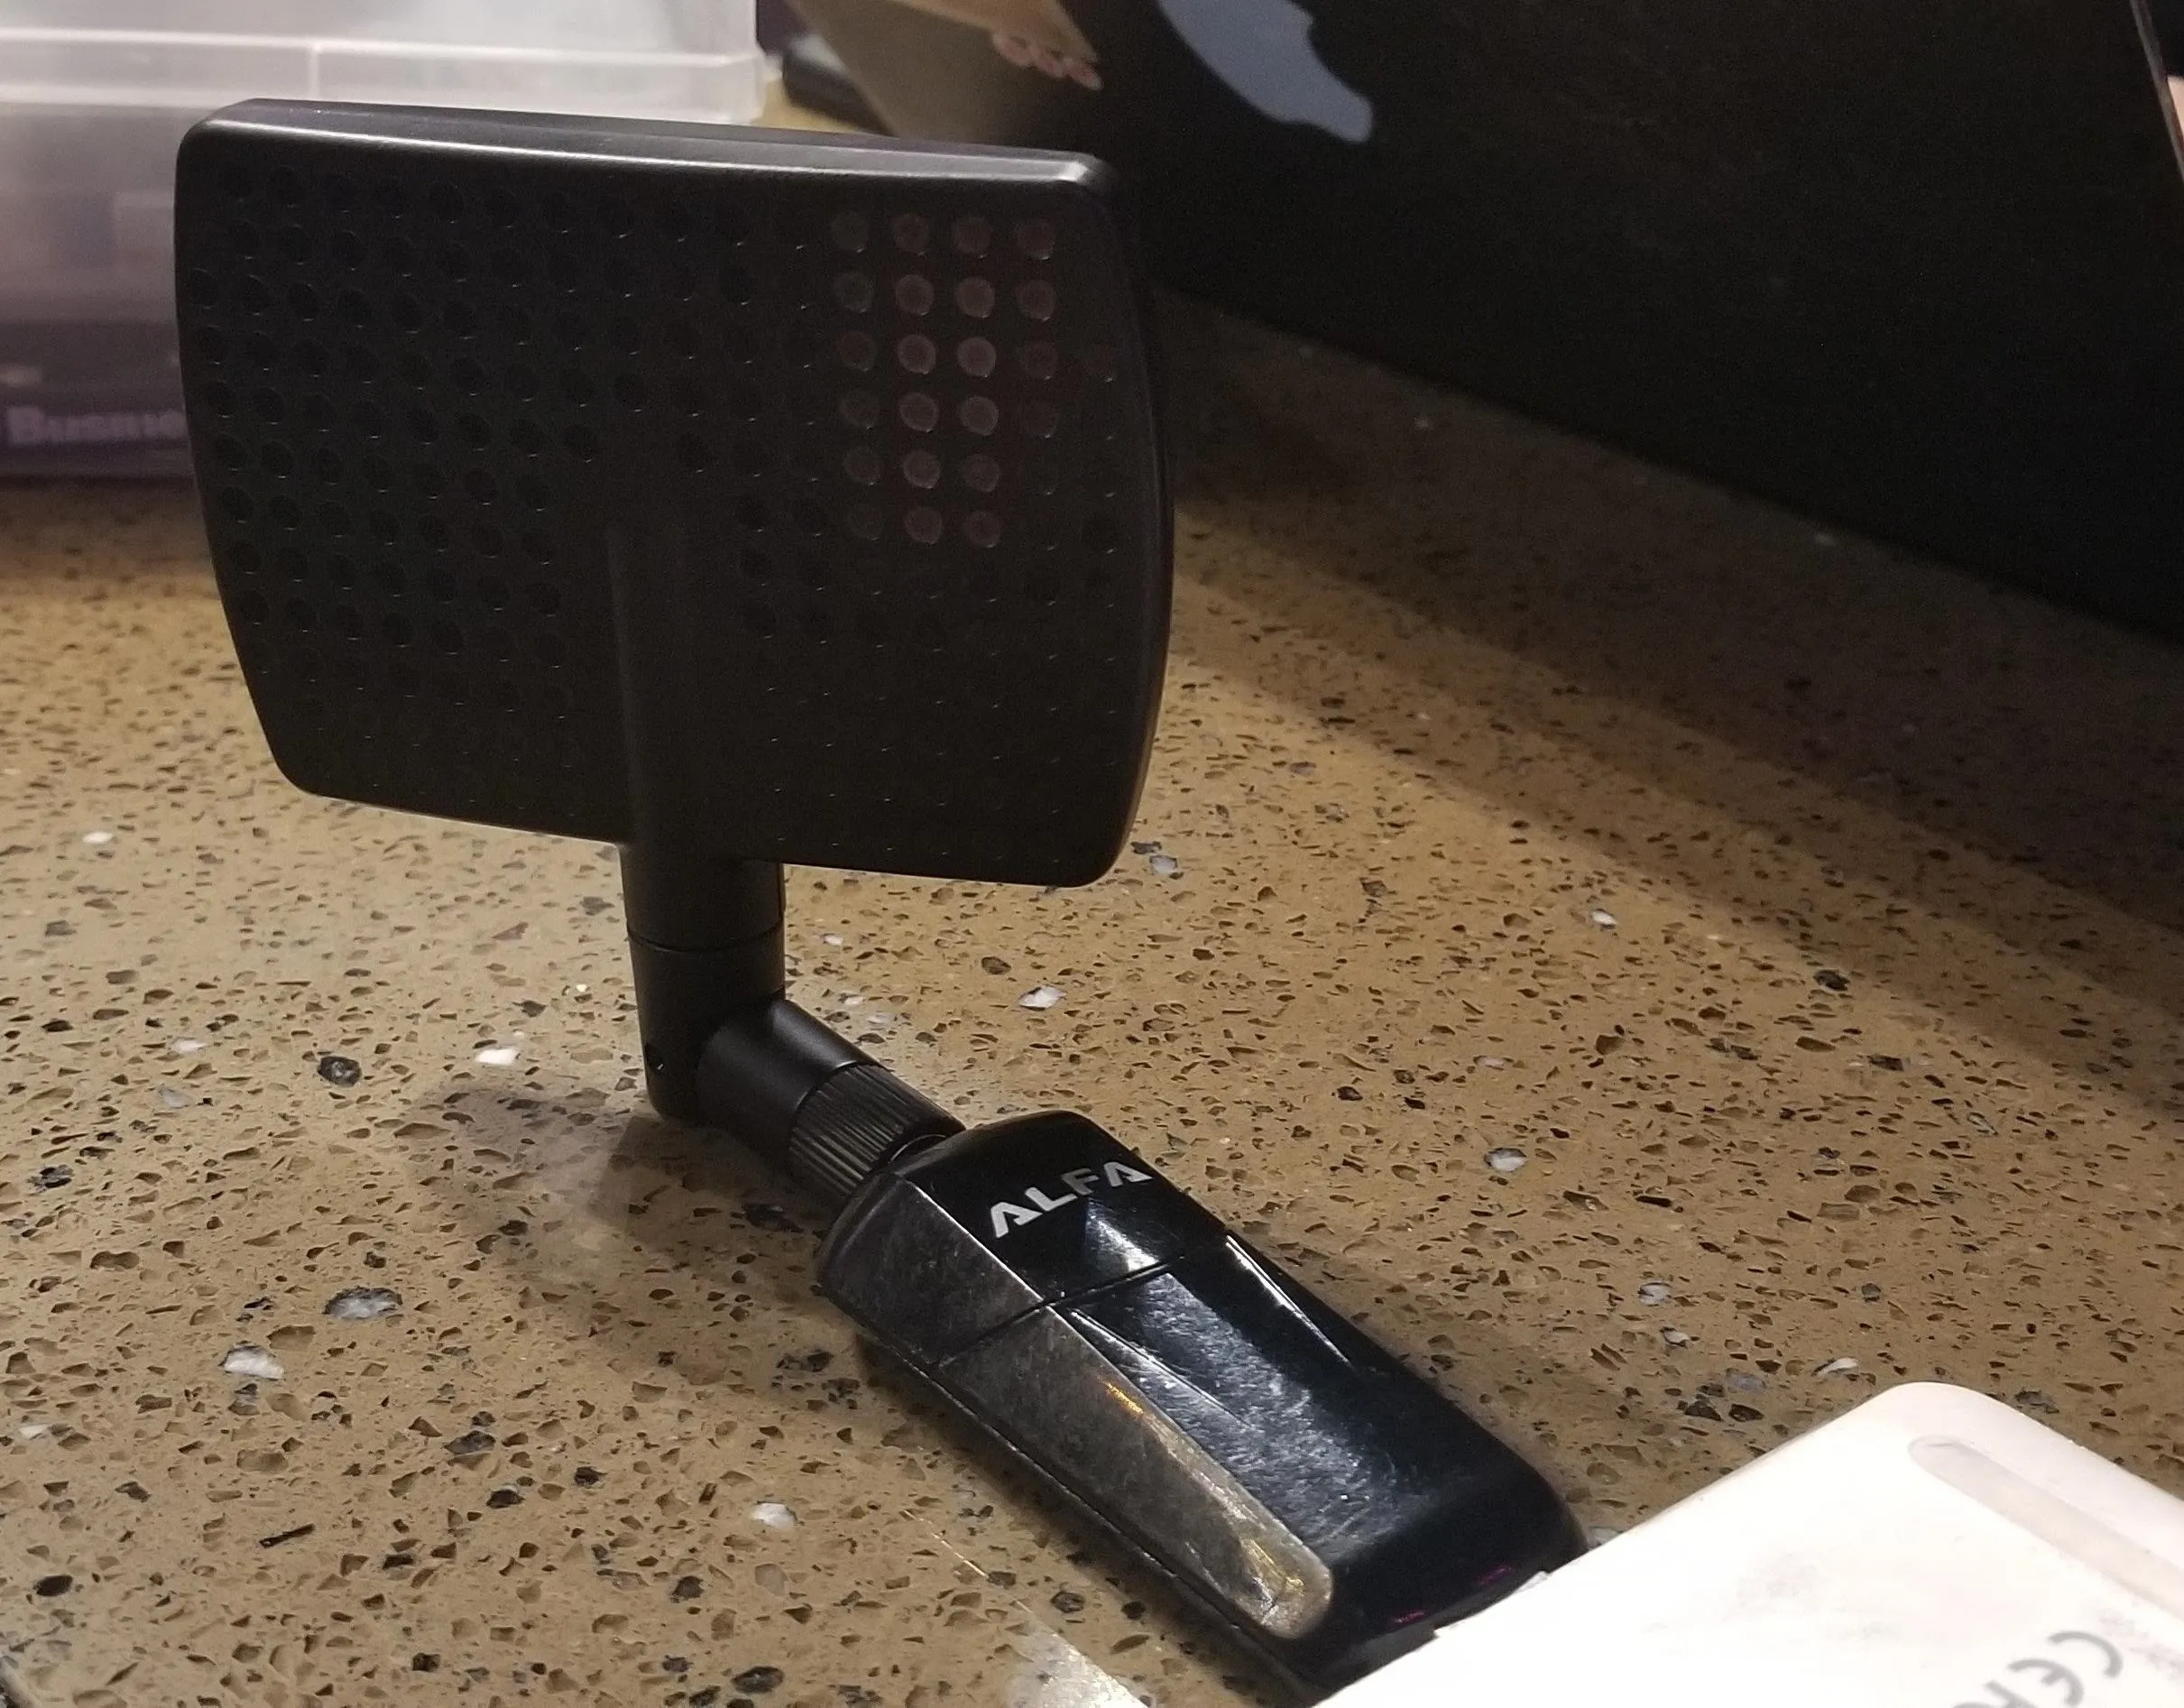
[[777, 24], [813, 77], [2169, 30], [742, 497], [1920, 268]]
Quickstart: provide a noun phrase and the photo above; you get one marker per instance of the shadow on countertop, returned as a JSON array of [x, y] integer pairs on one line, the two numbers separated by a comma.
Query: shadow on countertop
[[1876, 724]]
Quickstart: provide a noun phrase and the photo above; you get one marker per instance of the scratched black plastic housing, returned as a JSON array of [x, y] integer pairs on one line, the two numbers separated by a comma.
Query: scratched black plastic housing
[[763, 496], [1286, 1472]]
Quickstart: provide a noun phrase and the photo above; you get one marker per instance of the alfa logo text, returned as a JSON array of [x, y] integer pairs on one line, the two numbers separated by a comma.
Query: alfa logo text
[[1082, 1183]]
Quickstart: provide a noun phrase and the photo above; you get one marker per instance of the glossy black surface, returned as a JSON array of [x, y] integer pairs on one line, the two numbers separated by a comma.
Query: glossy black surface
[[1418, 1513], [914, 1278], [1284, 1470], [961, 1235], [1059, 1200], [739, 495], [1058, 1400]]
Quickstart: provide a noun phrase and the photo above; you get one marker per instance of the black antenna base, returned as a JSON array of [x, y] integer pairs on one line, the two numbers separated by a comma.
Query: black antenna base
[[725, 1045]]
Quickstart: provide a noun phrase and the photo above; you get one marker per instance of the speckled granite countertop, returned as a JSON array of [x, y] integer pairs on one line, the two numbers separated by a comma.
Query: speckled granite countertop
[[1640, 953]]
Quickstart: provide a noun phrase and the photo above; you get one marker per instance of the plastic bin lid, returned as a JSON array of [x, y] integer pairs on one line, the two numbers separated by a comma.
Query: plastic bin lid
[[687, 59], [627, 26]]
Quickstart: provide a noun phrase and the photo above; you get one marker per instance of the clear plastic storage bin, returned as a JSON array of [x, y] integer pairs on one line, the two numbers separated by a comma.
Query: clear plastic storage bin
[[96, 94]]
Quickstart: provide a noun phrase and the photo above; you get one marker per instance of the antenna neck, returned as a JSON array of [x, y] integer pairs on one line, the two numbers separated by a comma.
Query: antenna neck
[[724, 1046], [705, 949]]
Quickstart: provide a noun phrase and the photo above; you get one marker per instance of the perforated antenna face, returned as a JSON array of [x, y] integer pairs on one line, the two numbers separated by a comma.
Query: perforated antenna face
[[792, 498]]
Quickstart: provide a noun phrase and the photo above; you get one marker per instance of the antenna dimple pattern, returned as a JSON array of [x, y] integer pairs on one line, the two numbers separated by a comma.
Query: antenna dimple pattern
[[878, 454]]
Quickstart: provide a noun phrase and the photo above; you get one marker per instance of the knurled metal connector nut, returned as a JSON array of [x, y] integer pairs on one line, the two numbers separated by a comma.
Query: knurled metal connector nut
[[852, 1123]]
